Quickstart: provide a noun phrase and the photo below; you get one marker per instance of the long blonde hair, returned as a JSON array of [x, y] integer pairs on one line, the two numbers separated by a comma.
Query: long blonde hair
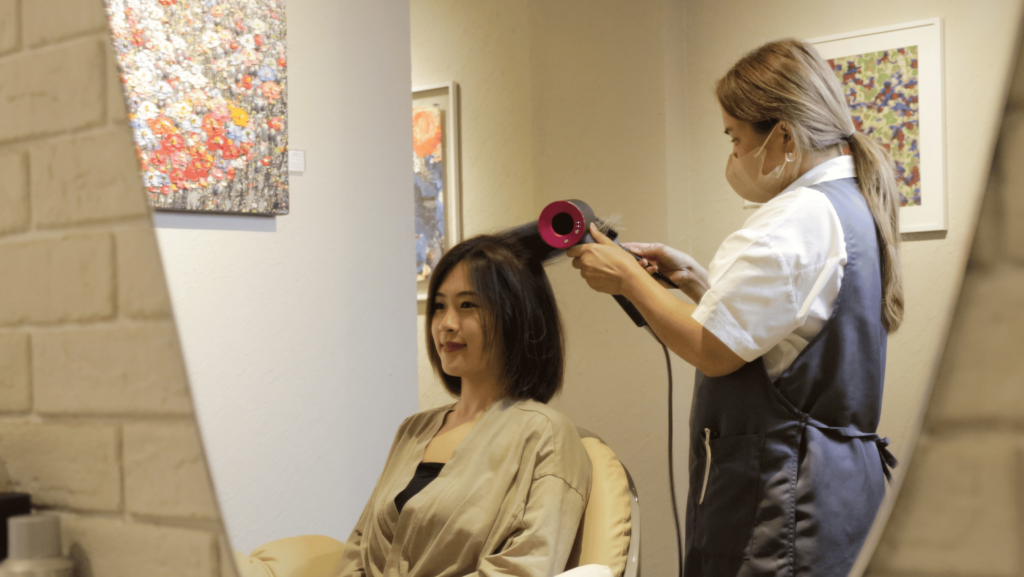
[[788, 81]]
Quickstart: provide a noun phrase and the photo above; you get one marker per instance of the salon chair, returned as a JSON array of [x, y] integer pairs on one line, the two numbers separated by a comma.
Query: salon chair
[[607, 544], [610, 530]]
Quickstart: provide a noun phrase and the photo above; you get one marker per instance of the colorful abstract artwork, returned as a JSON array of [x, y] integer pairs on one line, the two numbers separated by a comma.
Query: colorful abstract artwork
[[206, 89], [428, 188], [882, 91]]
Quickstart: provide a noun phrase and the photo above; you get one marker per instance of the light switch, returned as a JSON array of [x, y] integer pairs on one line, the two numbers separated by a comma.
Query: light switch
[[296, 161]]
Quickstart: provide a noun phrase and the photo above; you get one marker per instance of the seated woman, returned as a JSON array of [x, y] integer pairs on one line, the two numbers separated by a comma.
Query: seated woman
[[496, 483]]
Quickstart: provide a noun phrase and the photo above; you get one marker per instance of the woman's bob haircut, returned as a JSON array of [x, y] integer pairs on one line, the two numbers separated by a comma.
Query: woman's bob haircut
[[519, 316]]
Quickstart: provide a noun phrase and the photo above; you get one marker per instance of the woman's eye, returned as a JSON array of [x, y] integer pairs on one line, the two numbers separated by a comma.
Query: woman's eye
[[468, 305], [438, 307]]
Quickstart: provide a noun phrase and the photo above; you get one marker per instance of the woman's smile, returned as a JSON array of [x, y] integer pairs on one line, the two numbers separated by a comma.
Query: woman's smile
[[453, 347]]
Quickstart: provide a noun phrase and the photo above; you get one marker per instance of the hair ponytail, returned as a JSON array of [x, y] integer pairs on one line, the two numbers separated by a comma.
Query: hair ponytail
[[788, 80], [875, 175]]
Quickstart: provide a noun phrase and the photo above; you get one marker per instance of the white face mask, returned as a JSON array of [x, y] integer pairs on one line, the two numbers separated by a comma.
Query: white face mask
[[744, 173]]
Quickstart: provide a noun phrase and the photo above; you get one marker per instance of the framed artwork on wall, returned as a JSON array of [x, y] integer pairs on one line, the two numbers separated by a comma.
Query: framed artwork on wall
[[892, 79], [436, 176], [206, 89]]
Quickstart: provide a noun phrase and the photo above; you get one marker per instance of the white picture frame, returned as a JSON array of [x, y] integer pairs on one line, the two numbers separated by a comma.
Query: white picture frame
[[930, 215], [445, 96]]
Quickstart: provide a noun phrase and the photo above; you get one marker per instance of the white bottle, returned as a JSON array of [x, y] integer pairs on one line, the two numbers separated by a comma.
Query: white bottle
[[34, 548]]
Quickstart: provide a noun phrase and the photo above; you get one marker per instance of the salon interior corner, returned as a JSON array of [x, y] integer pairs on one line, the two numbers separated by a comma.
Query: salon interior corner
[[181, 388]]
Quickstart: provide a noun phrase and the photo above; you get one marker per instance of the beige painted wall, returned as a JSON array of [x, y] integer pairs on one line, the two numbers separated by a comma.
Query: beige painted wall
[[96, 421], [621, 113]]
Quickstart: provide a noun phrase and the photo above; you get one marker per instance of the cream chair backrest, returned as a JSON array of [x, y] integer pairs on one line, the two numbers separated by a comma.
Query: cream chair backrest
[[610, 531]]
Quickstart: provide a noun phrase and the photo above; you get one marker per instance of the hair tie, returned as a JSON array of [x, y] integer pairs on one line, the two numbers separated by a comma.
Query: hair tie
[[850, 136]]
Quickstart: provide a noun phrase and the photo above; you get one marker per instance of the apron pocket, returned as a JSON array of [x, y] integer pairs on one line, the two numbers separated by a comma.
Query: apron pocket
[[725, 518]]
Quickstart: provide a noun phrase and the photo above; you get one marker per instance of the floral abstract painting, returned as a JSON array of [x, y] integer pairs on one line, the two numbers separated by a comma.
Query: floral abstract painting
[[882, 91], [206, 89], [428, 188]]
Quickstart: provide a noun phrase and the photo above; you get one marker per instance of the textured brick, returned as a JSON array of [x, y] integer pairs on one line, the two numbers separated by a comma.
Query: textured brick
[[59, 280], [227, 559], [15, 373], [983, 378], [1011, 174], [46, 21], [117, 112], [956, 514], [63, 465], [987, 247], [9, 29], [53, 90], [141, 290], [1017, 84], [115, 548], [165, 471], [14, 214], [86, 179], [133, 369]]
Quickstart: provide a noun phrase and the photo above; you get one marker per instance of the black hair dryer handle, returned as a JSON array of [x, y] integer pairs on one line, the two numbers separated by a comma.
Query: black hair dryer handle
[[630, 308]]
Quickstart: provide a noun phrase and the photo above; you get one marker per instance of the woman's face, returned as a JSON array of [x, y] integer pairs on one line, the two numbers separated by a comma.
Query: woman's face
[[746, 139], [457, 328]]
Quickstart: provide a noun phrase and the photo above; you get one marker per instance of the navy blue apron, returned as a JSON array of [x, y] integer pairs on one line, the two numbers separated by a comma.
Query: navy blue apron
[[786, 477]]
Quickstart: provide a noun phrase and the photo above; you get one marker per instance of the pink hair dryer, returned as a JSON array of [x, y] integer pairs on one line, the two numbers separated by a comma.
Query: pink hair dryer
[[566, 223]]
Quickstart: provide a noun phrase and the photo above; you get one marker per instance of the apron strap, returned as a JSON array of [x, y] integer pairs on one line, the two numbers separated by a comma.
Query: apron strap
[[889, 461]]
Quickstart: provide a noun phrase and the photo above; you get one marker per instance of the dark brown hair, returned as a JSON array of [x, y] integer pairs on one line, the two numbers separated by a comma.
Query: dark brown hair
[[520, 316], [787, 80]]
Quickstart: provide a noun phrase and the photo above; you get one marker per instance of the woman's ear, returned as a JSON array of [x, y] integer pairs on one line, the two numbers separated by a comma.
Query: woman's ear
[[784, 129], [788, 142]]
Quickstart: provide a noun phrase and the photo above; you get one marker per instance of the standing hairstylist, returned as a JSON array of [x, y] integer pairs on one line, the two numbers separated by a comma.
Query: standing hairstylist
[[789, 336]]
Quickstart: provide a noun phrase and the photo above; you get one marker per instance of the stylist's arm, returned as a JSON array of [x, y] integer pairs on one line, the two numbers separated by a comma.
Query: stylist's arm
[[609, 269]]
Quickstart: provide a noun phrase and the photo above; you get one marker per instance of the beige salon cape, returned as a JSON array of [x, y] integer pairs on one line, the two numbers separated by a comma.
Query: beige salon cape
[[508, 502]]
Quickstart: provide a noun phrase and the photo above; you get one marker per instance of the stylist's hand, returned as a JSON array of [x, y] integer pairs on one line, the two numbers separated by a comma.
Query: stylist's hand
[[678, 266], [604, 265]]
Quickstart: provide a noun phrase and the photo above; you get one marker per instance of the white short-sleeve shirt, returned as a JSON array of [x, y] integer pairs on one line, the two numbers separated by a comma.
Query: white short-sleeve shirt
[[774, 282]]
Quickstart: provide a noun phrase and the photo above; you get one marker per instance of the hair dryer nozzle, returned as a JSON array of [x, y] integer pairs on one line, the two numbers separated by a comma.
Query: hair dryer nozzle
[[565, 223], [562, 225]]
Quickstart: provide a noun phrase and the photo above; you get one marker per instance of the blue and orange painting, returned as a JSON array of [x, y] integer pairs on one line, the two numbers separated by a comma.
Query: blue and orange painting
[[882, 91], [428, 188]]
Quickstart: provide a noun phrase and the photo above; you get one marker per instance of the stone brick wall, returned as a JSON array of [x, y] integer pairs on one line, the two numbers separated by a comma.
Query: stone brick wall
[[96, 419], [961, 509]]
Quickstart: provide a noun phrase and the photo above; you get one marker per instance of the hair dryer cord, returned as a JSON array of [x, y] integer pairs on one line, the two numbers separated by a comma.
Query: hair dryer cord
[[671, 461]]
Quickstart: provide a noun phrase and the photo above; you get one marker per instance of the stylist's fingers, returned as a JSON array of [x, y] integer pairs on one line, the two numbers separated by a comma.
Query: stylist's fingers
[[577, 252], [643, 248], [581, 255], [599, 236]]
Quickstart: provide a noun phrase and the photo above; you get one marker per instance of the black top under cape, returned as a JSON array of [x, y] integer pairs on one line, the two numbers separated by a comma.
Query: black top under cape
[[425, 473]]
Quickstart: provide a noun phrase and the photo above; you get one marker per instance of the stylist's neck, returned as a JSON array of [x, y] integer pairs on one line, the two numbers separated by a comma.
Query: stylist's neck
[[812, 159]]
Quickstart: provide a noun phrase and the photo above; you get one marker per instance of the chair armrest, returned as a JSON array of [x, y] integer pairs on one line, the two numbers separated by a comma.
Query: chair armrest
[[303, 556], [588, 571]]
